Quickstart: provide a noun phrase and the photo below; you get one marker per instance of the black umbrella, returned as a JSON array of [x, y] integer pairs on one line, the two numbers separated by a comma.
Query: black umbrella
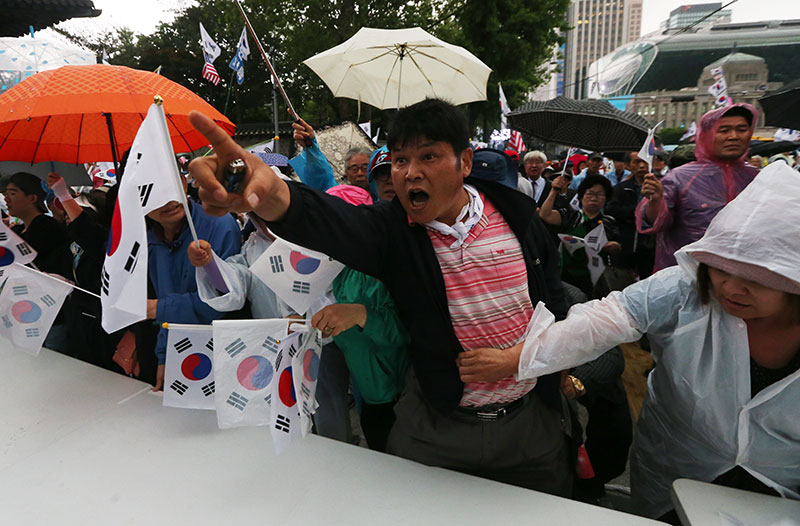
[[782, 108], [592, 124], [773, 148]]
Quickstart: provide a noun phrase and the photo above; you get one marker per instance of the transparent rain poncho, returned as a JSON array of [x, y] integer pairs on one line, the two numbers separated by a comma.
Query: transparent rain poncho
[[699, 419]]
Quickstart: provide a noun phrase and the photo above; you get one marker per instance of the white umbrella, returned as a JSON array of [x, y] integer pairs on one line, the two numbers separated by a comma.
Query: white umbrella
[[394, 68], [21, 57]]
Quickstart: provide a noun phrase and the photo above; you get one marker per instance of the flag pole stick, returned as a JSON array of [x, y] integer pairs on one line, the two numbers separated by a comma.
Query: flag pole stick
[[48, 276], [176, 176], [264, 55], [214, 274], [185, 326]]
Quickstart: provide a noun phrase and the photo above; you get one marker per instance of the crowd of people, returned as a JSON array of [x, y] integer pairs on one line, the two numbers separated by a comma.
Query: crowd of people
[[442, 326]]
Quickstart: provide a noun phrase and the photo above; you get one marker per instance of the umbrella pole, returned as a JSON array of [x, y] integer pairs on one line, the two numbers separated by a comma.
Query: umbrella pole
[[112, 142], [400, 76]]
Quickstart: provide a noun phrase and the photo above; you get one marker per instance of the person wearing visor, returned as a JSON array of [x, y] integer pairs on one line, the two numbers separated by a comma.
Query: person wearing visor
[[379, 173], [724, 330], [594, 166]]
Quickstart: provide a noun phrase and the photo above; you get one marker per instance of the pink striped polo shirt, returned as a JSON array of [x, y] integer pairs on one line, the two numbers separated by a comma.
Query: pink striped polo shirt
[[486, 283]]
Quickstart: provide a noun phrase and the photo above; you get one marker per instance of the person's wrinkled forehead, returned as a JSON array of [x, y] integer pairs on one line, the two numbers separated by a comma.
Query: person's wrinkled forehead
[[416, 141]]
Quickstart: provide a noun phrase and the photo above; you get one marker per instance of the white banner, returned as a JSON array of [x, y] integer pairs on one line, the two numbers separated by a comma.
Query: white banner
[[29, 303], [189, 370], [298, 276], [245, 352]]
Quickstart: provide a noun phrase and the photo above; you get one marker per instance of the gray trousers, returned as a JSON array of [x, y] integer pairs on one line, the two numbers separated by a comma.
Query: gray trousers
[[332, 419], [526, 448]]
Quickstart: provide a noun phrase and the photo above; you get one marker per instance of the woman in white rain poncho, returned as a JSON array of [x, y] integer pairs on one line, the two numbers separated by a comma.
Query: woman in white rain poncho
[[724, 398]]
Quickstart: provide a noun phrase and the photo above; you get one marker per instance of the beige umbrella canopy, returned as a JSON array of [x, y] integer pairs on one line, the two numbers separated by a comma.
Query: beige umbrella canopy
[[394, 68]]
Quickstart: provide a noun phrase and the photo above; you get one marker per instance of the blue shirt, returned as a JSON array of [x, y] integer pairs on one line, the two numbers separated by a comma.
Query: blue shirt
[[173, 277], [315, 171], [611, 176]]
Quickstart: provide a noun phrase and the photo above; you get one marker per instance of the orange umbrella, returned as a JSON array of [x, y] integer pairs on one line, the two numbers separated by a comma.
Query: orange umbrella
[[75, 114]]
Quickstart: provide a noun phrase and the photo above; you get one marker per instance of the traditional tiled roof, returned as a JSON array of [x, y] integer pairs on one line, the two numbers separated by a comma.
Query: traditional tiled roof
[[19, 15]]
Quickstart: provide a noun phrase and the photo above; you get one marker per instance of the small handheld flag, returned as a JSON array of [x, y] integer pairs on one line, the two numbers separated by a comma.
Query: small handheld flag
[[13, 249], [245, 352], [648, 149], [298, 276], [189, 374], [28, 307]]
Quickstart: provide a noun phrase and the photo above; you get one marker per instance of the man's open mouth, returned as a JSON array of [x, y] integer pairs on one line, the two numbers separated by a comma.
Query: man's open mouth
[[418, 198]]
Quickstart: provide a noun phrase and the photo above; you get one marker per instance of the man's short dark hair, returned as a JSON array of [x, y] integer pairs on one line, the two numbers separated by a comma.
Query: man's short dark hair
[[739, 111], [432, 119], [591, 180]]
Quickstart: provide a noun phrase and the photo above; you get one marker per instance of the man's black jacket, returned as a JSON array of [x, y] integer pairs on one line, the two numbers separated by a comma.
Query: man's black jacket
[[379, 241]]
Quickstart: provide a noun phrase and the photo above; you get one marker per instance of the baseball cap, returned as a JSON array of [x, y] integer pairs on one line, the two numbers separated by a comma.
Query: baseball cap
[[380, 157]]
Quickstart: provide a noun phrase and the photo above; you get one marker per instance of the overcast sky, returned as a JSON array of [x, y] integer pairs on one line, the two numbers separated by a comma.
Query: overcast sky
[[143, 16], [654, 11]]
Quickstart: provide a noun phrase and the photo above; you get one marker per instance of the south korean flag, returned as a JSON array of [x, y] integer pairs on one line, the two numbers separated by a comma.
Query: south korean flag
[[298, 276], [150, 182], [305, 372], [285, 424], [245, 352], [189, 374], [29, 304], [13, 249], [595, 241]]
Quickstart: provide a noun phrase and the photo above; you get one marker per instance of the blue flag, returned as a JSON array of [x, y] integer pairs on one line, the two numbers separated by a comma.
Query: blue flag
[[242, 52]]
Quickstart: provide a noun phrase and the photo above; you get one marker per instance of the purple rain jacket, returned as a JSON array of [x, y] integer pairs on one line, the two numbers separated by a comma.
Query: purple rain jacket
[[695, 192]]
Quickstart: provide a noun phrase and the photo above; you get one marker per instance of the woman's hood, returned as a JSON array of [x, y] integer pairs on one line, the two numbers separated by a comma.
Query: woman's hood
[[759, 227]]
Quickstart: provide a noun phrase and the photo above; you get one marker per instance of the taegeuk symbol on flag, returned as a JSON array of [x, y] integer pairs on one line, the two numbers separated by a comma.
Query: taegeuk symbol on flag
[[305, 370], [245, 352], [595, 241], [14, 249], [189, 373], [571, 243], [297, 275], [29, 304]]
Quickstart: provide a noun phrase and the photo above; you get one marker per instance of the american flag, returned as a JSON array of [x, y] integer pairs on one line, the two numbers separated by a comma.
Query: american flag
[[516, 142], [210, 73]]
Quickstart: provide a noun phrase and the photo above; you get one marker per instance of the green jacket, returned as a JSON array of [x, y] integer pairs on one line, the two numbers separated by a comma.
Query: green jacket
[[376, 355]]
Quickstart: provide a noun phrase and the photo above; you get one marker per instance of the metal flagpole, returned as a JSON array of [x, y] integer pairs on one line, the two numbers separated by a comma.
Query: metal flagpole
[[276, 81], [228, 97]]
